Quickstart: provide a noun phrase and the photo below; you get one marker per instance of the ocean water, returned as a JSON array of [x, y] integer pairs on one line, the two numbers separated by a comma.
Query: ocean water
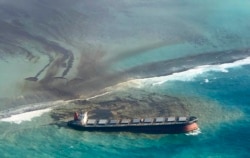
[[223, 130], [53, 52]]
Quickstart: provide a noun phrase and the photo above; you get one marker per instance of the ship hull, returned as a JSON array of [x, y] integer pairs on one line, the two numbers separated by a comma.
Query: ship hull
[[149, 128]]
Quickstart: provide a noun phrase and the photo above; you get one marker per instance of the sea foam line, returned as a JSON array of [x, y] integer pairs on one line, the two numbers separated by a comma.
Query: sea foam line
[[27, 116], [99, 95], [188, 75], [29, 107], [27, 112]]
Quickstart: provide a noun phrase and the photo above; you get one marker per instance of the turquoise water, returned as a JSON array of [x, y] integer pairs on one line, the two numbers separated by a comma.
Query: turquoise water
[[107, 39], [224, 136]]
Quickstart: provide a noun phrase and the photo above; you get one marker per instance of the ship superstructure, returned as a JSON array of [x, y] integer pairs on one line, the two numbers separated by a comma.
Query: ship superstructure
[[157, 125]]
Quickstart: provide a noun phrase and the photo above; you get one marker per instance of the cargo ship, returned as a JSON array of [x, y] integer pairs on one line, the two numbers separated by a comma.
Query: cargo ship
[[158, 125]]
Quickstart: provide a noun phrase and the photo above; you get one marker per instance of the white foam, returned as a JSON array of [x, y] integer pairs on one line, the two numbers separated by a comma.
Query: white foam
[[206, 80], [188, 75], [194, 132], [27, 116], [96, 96]]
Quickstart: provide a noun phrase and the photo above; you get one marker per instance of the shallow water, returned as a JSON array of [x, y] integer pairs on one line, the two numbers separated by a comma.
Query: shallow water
[[223, 120], [87, 48]]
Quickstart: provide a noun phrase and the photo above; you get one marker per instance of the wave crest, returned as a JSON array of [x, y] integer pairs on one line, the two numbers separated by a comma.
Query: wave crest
[[188, 75]]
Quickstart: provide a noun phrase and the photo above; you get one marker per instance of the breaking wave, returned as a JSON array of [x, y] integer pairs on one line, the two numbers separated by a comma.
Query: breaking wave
[[188, 75], [29, 111], [27, 116], [10, 113]]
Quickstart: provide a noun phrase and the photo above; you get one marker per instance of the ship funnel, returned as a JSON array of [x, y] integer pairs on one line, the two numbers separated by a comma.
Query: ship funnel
[[85, 118]]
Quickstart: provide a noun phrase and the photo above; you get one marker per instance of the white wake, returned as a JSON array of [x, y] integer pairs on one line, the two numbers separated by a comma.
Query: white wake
[[194, 132]]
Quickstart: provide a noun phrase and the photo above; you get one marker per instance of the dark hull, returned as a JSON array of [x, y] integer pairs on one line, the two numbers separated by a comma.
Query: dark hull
[[149, 128]]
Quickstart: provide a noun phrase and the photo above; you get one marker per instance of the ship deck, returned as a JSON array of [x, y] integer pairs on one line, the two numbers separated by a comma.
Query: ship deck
[[135, 122]]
